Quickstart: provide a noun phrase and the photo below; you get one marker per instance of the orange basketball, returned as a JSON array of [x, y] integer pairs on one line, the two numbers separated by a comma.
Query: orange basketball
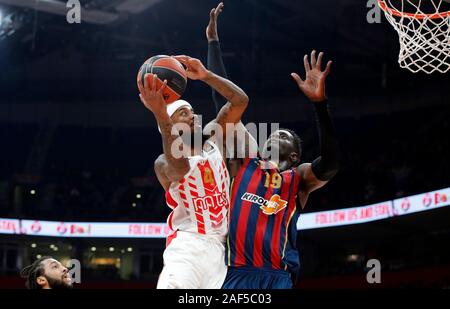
[[168, 68]]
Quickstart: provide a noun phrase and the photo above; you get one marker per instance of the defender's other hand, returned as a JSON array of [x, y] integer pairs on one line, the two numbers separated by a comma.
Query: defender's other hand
[[211, 29], [314, 84]]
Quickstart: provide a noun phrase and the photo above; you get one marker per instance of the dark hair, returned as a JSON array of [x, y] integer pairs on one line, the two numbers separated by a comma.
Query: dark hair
[[297, 144], [32, 272]]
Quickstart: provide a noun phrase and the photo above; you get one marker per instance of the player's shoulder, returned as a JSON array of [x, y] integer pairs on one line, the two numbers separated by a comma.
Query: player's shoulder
[[303, 169], [160, 162], [161, 159]]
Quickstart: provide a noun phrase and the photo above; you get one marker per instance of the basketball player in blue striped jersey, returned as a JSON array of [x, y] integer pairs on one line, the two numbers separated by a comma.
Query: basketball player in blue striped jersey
[[267, 194]]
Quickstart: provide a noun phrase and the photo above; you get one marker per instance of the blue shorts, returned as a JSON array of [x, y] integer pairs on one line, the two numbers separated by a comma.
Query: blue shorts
[[256, 278]]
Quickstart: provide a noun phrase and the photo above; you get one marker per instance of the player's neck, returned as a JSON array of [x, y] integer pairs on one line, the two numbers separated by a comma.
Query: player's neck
[[196, 151], [281, 165]]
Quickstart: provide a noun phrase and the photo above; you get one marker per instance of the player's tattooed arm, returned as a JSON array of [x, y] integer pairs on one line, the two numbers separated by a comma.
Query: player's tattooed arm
[[322, 169], [174, 168], [246, 144], [237, 99]]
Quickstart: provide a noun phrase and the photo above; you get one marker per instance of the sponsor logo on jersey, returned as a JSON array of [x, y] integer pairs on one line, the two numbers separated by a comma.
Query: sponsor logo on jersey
[[268, 207]]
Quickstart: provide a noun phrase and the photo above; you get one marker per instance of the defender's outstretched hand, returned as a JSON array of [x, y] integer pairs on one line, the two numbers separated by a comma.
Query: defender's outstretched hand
[[211, 29], [314, 84]]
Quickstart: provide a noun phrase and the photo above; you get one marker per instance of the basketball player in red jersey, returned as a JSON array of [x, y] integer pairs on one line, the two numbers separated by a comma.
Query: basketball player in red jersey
[[196, 183], [267, 195]]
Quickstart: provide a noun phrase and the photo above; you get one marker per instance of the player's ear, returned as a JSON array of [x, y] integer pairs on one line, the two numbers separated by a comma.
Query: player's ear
[[294, 157], [41, 281]]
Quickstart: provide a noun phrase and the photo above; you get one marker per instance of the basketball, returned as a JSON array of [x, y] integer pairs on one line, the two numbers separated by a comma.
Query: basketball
[[165, 67]]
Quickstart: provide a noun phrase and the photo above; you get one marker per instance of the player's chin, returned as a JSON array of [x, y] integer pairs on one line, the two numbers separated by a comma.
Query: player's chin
[[68, 285], [67, 280], [270, 152], [265, 153]]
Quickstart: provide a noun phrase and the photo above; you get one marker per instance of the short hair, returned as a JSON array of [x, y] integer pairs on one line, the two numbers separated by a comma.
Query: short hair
[[32, 272], [297, 144]]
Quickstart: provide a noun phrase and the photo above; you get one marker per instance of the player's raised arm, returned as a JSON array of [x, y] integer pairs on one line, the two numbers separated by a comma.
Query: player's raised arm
[[246, 144], [215, 61], [322, 169], [232, 111], [167, 167]]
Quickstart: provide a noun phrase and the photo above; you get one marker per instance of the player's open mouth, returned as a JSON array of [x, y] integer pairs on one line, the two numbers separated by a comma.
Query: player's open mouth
[[272, 142]]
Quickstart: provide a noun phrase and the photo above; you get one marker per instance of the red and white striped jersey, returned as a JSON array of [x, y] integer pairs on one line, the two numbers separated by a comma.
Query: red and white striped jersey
[[200, 201]]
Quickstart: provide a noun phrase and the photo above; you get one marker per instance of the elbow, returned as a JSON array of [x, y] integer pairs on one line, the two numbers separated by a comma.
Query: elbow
[[326, 173], [324, 170], [334, 167], [174, 177], [331, 169], [332, 172], [240, 100], [171, 170], [244, 100]]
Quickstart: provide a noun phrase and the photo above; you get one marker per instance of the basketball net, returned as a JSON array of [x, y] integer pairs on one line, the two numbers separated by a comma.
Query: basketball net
[[423, 27]]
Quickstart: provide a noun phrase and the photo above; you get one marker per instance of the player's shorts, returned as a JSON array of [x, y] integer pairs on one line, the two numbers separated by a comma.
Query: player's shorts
[[193, 261], [256, 278]]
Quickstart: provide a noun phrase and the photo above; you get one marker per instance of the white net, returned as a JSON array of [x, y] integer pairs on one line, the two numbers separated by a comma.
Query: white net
[[423, 27]]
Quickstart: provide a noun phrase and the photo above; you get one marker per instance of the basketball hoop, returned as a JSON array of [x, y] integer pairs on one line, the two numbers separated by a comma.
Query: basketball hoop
[[423, 27]]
